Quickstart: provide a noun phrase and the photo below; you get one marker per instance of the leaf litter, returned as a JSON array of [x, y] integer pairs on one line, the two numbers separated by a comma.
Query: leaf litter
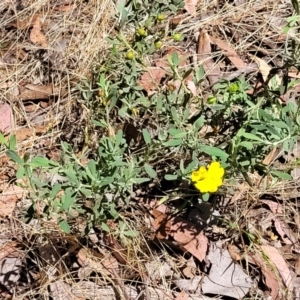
[[221, 269]]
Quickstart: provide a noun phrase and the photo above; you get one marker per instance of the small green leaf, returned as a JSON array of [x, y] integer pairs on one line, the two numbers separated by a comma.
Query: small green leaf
[[139, 180], [20, 172], [146, 136], [282, 175], [131, 233], [71, 175], [171, 177], [67, 200], [14, 156], [3, 140], [213, 151], [40, 161], [105, 227], [65, 226], [253, 137], [279, 124], [12, 142], [150, 171], [176, 133], [174, 115], [106, 181], [199, 122], [205, 197], [92, 168], [246, 145], [172, 143]]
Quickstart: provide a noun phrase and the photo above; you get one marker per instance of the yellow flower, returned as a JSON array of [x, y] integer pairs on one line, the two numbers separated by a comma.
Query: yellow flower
[[208, 180], [199, 175]]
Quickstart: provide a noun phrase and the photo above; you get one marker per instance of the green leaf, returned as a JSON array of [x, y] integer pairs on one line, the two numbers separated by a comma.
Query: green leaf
[[65, 226], [112, 42], [279, 124], [3, 140], [171, 177], [131, 233], [246, 145], [106, 181], [14, 156], [174, 115], [105, 227], [146, 136], [150, 171], [139, 180], [213, 151], [176, 133], [187, 73], [67, 200], [72, 176], [92, 168], [199, 122], [12, 142], [172, 143], [54, 190], [205, 197], [253, 137], [282, 175], [21, 172], [40, 161]]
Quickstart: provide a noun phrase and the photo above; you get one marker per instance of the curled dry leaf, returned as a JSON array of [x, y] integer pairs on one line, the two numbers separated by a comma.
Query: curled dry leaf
[[225, 277], [204, 55], [230, 53], [279, 263], [151, 79], [161, 224], [36, 35], [105, 265], [5, 118], [182, 296], [270, 278], [189, 237], [190, 6], [9, 198]]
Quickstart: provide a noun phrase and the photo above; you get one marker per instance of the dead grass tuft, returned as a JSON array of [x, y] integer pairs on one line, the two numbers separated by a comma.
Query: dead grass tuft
[[46, 48]]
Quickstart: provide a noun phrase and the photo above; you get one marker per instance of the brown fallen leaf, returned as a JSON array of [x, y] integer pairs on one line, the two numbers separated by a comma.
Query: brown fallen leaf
[[264, 69], [225, 278], [33, 92], [271, 279], [190, 6], [23, 134], [105, 265], [280, 264], [6, 118], [182, 296], [117, 250], [23, 24], [297, 266], [150, 80], [189, 237], [271, 156], [8, 249], [204, 55], [230, 53], [36, 35], [161, 224], [9, 198], [234, 252]]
